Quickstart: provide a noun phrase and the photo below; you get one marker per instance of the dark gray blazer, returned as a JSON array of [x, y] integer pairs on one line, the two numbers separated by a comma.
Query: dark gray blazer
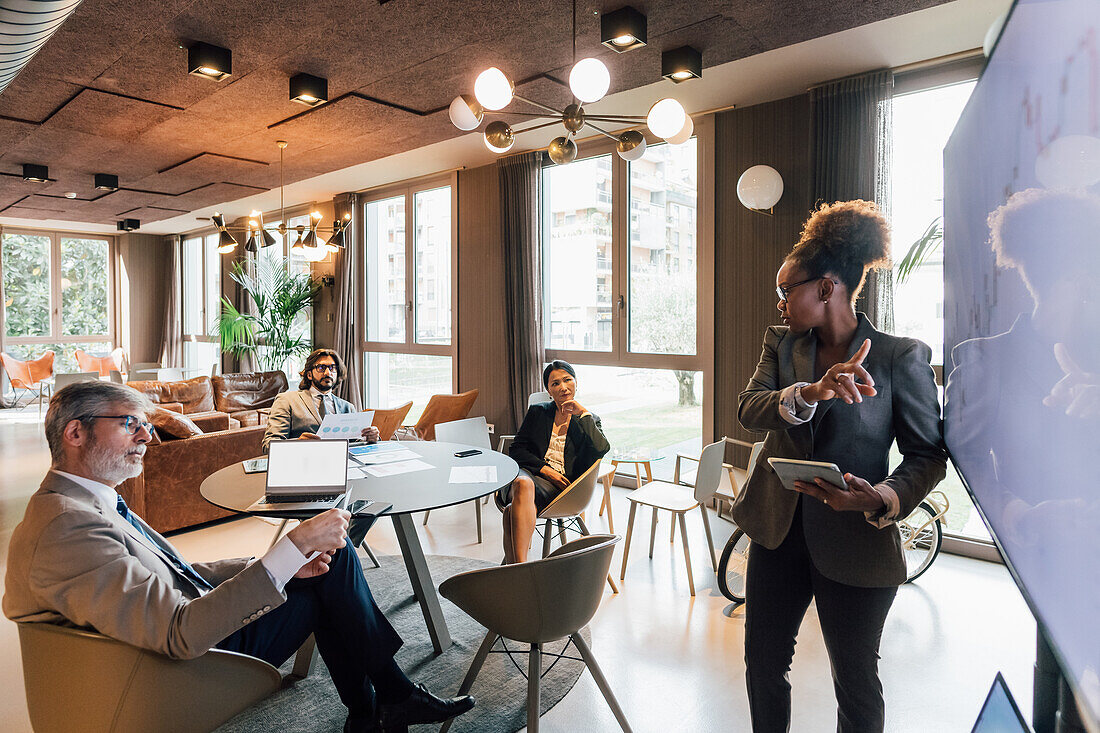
[[843, 545]]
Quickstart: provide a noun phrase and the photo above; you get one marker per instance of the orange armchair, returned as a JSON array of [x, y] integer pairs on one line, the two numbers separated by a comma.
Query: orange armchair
[[101, 364], [29, 375]]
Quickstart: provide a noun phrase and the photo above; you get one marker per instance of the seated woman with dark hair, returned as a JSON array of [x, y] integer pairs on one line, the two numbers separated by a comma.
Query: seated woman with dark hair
[[557, 442]]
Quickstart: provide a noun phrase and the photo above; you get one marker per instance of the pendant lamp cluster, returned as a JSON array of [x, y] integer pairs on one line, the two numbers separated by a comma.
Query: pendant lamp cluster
[[589, 81], [309, 244]]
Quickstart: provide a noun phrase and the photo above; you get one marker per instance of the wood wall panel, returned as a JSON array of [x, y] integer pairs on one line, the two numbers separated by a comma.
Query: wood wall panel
[[144, 289], [749, 247], [482, 343]]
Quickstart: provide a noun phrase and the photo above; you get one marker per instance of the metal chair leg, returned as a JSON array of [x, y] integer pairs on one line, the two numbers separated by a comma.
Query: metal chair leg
[[534, 670], [370, 554], [687, 553], [561, 531], [601, 681], [629, 534], [477, 510]]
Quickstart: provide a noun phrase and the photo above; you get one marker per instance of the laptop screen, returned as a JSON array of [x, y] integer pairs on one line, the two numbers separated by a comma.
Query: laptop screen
[[307, 467], [1000, 714]]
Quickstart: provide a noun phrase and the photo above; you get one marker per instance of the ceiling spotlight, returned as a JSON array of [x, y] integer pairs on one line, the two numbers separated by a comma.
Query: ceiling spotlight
[[589, 80], [499, 137], [666, 118], [70, 194], [466, 112], [105, 182], [623, 29], [36, 173], [209, 61], [226, 242], [631, 145], [562, 150], [493, 89], [308, 89], [681, 64], [127, 225]]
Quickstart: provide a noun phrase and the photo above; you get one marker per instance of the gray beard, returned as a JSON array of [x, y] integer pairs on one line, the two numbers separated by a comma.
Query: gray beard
[[111, 470]]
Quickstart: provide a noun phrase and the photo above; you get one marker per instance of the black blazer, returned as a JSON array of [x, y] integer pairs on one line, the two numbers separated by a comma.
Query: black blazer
[[585, 443]]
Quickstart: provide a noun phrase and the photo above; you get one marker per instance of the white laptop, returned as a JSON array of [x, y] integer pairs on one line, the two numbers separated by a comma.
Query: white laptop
[[304, 476]]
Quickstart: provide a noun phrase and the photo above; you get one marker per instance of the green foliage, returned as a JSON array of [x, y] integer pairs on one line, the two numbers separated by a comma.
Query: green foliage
[[920, 250], [84, 286], [26, 260], [662, 321], [270, 332]]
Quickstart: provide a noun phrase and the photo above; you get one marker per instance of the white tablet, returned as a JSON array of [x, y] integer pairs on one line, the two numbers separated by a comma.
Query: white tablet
[[790, 470]]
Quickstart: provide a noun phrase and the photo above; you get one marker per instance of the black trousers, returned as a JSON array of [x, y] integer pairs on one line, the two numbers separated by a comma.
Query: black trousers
[[353, 636], [779, 586]]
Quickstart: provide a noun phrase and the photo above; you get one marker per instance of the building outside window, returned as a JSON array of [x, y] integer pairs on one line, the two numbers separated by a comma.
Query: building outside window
[[57, 295], [201, 290], [622, 298], [409, 233]]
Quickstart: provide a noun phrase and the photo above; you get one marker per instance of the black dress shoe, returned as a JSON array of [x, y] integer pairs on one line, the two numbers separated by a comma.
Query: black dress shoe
[[421, 707]]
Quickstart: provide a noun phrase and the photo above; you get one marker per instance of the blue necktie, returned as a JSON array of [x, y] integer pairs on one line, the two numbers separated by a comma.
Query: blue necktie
[[181, 565]]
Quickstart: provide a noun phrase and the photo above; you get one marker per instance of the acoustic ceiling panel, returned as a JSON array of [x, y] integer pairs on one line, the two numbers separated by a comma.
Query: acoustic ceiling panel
[[109, 116], [33, 95], [147, 214], [58, 147], [11, 132], [210, 194], [207, 167]]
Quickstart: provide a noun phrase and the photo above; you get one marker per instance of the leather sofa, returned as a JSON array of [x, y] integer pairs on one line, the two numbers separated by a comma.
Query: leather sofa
[[245, 397]]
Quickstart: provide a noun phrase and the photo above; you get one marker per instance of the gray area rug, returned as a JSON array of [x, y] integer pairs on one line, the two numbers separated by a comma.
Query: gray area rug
[[500, 689]]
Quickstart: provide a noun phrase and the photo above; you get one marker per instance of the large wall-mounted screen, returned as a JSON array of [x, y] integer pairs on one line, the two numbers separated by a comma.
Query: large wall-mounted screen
[[1022, 316]]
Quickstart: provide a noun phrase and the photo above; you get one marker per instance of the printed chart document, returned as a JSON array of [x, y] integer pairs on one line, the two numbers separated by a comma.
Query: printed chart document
[[387, 456], [345, 427], [472, 474], [392, 469]]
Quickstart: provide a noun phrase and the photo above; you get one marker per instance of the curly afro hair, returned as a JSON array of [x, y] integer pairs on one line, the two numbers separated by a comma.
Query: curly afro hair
[[845, 238], [1045, 234]]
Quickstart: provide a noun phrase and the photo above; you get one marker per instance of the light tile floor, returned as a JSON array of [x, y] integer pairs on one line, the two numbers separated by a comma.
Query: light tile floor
[[675, 662]]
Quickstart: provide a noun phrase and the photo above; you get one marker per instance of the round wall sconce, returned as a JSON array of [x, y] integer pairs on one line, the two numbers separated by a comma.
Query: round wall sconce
[[759, 188]]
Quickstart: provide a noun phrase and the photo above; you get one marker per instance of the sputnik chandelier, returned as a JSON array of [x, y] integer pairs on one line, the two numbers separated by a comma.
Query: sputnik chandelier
[[589, 81], [308, 245]]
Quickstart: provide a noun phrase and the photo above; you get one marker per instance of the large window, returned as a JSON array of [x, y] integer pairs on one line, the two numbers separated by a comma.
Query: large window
[[408, 300], [57, 295], [621, 271], [923, 121], [201, 302]]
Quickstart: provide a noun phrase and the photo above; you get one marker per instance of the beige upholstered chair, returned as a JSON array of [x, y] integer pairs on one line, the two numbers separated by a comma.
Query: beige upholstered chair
[[388, 421], [443, 408], [535, 603], [679, 500], [81, 680]]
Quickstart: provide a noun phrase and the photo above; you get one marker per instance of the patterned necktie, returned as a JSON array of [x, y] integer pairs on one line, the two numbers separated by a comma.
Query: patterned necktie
[[180, 564]]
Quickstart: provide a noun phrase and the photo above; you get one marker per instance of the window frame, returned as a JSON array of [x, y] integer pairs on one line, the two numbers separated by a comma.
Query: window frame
[[202, 235], [56, 316], [620, 354], [408, 189]]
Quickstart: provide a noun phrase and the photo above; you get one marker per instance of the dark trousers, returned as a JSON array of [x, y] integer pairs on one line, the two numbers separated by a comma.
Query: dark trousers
[[353, 636], [779, 586]]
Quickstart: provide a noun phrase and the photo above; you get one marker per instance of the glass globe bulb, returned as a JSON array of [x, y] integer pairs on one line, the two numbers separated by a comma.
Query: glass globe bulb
[[666, 118], [589, 80], [492, 89], [499, 137], [465, 112], [684, 134], [631, 145]]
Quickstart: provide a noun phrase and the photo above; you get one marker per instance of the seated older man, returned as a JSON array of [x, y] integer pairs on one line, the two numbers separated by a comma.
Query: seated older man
[[81, 557]]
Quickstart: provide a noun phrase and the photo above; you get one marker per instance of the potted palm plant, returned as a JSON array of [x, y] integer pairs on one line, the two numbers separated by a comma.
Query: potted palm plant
[[270, 332]]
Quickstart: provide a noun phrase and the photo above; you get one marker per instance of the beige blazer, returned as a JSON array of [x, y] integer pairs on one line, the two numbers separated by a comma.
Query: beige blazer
[[294, 413], [74, 561]]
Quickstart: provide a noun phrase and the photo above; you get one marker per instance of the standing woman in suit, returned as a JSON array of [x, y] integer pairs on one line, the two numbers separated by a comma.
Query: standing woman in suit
[[830, 387], [557, 442]]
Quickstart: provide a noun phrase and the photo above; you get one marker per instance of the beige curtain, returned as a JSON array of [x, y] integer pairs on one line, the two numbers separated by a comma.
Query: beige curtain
[[171, 352], [853, 125], [4, 400], [519, 229], [348, 336]]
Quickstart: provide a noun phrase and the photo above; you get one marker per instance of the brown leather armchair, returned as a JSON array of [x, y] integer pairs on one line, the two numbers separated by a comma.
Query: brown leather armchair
[[245, 397], [191, 397], [167, 494]]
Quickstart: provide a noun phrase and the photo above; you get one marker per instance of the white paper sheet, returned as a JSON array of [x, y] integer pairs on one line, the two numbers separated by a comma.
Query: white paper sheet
[[345, 427], [393, 469], [472, 474]]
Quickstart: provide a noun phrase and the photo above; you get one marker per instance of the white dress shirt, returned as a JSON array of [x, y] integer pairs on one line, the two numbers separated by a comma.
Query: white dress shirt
[[281, 562]]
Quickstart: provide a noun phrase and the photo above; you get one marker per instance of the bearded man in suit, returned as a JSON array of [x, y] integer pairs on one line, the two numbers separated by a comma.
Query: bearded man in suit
[[80, 557]]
